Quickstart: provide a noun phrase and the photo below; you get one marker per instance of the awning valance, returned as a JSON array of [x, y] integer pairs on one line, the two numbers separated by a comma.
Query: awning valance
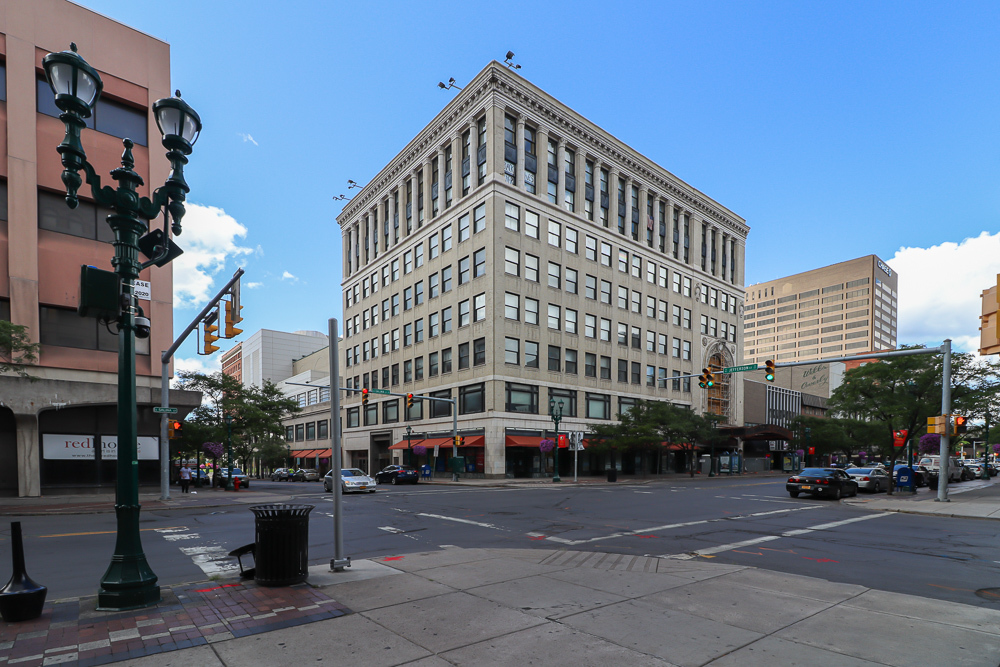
[[530, 441], [311, 453]]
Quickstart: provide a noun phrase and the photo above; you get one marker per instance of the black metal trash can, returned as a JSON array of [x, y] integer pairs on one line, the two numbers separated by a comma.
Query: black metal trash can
[[281, 531], [612, 474]]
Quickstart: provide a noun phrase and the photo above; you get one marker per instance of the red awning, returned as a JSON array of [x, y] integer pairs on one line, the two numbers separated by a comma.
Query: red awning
[[311, 453], [430, 443], [530, 441]]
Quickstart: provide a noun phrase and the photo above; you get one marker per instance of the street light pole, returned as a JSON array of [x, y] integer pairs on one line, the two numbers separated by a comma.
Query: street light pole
[[556, 411], [409, 443], [129, 582]]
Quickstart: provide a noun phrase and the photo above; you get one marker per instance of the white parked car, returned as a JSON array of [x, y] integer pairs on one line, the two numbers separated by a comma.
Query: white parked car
[[351, 479]]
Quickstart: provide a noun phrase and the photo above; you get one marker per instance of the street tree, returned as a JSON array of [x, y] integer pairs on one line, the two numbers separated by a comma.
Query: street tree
[[900, 393], [16, 349], [255, 413], [648, 425]]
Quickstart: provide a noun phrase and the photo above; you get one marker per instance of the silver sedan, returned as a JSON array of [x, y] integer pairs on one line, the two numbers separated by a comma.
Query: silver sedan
[[870, 479], [351, 479]]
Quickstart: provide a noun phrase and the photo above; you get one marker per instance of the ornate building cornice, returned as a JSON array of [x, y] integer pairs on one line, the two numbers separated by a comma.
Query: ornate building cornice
[[495, 86]]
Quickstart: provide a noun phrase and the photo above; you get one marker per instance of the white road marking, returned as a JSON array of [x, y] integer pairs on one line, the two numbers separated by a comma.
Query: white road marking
[[212, 559], [452, 518], [658, 529], [391, 529], [736, 545], [768, 538]]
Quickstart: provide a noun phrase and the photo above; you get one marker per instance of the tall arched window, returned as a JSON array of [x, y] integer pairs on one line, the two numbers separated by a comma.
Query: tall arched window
[[720, 394]]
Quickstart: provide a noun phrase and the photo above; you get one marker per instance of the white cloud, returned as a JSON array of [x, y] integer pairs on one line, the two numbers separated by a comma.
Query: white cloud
[[253, 285], [288, 276], [940, 287], [209, 238], [206, 365], [246, 137]]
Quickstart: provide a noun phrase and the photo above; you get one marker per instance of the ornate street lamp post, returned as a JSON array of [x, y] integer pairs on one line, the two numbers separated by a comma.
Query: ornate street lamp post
[[129, 582], [556, 412], [229, 451], [409, 444]]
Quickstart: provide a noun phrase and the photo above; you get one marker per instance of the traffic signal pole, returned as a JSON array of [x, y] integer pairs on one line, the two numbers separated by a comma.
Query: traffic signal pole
[[944, 350], [165, 386]]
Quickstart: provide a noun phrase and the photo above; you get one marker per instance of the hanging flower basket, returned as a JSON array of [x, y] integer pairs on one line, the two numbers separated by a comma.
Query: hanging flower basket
[[214, 449], [862, 455], [547, 445], [419, 450], [800, 453]]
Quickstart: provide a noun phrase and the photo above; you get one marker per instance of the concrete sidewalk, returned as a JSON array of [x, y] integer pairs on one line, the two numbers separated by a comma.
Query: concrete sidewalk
[[549, 607]]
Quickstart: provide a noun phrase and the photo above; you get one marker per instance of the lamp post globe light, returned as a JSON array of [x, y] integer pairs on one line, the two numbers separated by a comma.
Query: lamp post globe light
[[129, 582], [556, 412]]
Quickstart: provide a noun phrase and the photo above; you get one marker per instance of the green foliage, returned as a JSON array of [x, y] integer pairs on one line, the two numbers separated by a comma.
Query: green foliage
[[16, 349], [257, 412], [650, 424]]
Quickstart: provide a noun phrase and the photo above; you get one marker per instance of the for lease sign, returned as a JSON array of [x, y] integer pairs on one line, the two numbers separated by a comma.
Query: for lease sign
[[58, 446]]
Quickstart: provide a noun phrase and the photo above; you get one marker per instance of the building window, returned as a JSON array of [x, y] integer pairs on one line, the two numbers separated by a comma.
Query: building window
[[440, 408], [521, 398], [390, 411], [512, 217], [85, 221], [446, 279], [530, 354], [530, 268], [478, 219], [565, 399], [472, 399], [512, 351], [353, 415], [463, 356], [463, 228], [446, 360], [371, 416], [598, 406], [590, 365], [511, 306], [109, 117], [530, 311], [463, 313], [432, 364], [446, 320], [479, 312], [289, 433], [571, 361], [555, 358], [531, 224], [323, 429], [479, 352]]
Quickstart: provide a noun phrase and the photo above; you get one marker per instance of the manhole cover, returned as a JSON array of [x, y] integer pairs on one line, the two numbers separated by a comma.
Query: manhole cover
[[992, 594]]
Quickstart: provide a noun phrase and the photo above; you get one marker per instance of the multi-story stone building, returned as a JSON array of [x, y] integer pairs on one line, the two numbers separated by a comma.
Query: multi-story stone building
[[59, 431], [514, 255], [835, 311]]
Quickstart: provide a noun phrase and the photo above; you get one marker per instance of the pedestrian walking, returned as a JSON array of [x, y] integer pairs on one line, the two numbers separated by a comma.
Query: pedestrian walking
[[185, 478]]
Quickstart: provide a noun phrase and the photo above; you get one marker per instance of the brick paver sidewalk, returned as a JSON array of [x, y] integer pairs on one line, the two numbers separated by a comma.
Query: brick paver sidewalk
[[73, 632]]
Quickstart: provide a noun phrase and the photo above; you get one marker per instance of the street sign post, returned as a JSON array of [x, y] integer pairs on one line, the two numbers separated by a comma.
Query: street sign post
[[164, 411], [740, 369]]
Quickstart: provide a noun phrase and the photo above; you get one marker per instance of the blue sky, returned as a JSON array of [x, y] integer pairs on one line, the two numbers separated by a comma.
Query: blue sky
[[835, 129]]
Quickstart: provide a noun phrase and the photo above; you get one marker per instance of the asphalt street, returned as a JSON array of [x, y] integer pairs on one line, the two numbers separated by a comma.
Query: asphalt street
[[744, 521]]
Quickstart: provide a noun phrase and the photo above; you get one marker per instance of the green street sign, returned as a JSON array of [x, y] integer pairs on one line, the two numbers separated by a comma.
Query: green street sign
[[165, 411], [740, 369], [379, 391]]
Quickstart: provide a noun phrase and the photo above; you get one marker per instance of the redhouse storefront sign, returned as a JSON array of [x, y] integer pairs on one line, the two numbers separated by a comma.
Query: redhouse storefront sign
[[59, 446]]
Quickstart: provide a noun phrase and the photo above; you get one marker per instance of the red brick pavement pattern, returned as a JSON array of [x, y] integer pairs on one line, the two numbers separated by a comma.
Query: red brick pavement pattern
[[73, 632]]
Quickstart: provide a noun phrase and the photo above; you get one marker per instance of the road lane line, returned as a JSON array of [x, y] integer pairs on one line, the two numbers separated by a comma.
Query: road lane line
[[736, 545], [657, 529], [768, 538], [452, 518], [103, 532]]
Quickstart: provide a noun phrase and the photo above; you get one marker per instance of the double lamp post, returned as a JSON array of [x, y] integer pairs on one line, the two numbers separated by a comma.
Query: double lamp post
[[129, 582]]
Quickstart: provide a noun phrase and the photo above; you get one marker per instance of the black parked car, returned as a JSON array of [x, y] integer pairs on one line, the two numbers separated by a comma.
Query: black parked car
[[830, 482], [397, 475]]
